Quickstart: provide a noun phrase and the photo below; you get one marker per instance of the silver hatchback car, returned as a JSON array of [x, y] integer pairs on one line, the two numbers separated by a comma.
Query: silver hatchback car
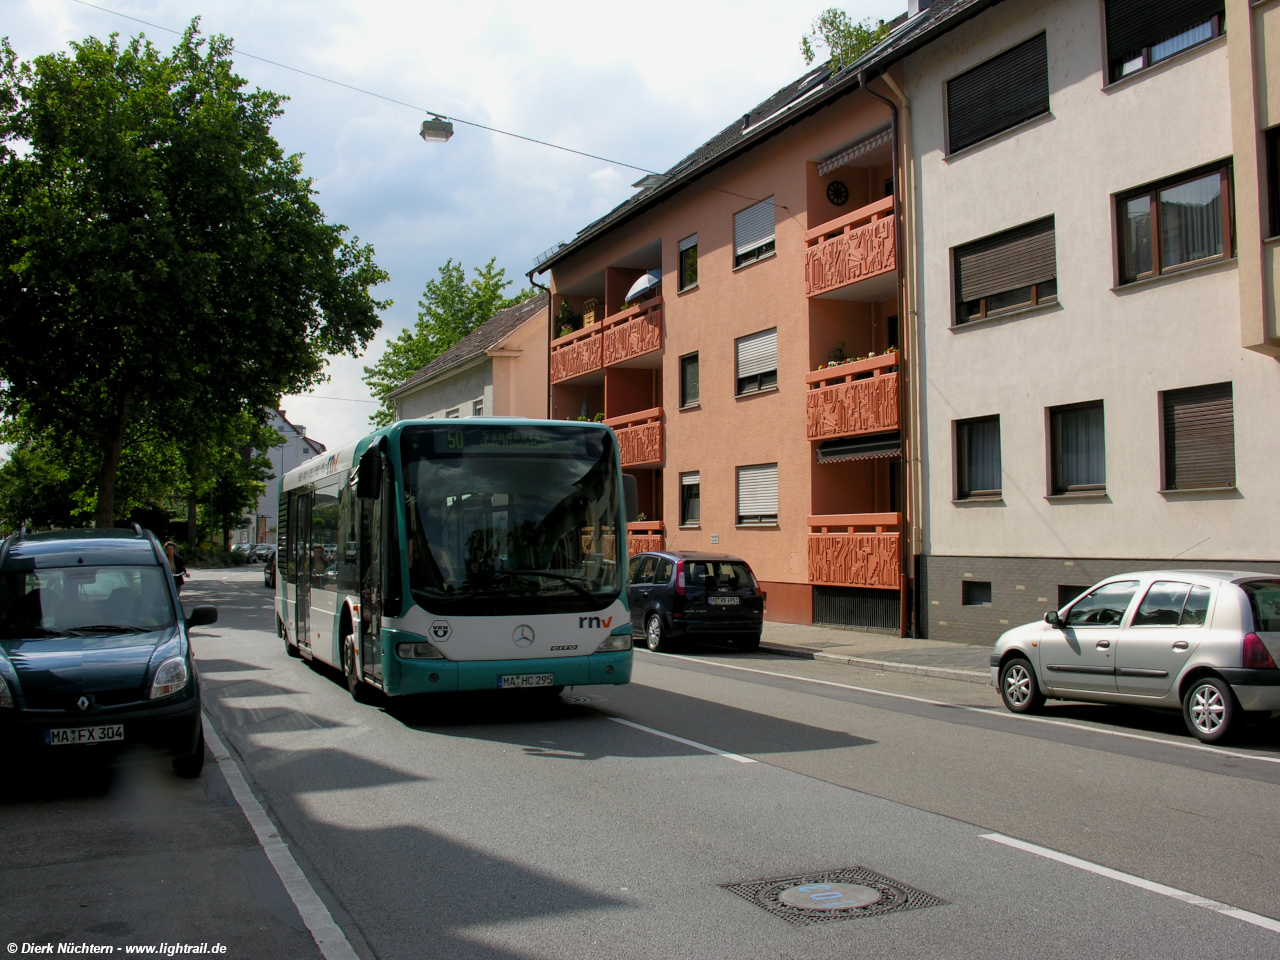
[[1207, 641]]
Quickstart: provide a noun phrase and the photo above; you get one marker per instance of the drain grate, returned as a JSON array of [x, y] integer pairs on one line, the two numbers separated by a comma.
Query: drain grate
[[833, 895]]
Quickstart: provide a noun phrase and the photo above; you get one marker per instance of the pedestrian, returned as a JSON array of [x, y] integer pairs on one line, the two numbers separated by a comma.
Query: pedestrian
[[176, 563]]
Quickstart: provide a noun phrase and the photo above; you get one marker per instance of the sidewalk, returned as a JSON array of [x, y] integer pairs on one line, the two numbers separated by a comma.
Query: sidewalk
[[879, 650]]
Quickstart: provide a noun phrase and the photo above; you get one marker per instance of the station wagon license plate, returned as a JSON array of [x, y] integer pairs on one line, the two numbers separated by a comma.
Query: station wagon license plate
[[67, 736], [723, 601], [518, 680]]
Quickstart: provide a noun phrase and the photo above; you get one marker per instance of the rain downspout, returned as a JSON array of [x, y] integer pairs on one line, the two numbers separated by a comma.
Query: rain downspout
[[907, 355], [551, 332]]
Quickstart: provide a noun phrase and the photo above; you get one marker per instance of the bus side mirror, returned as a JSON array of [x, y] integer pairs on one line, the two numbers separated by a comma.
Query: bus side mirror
[[631, 495], [369, 475]]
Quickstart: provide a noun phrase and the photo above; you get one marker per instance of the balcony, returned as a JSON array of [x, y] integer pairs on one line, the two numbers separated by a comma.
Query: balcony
[[853, 257], [856, 550], [644, 536], [852, 399], [622, 339], [639, 437]]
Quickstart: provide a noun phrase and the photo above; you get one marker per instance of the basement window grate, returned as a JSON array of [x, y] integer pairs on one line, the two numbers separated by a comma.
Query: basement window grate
[[835, 895]]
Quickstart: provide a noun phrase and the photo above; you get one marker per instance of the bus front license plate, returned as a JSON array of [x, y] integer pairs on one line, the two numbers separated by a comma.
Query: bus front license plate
[[518, 680], [65, 736]]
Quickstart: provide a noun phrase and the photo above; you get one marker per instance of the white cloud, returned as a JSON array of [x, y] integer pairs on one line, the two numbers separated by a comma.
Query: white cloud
[[638, 85]]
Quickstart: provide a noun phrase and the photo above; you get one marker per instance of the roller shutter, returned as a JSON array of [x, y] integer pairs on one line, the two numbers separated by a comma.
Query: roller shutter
[[758, 493], [998, 94], [1199, 437], [753, 227], [1133, 25], [757, 353], [1006, 261]]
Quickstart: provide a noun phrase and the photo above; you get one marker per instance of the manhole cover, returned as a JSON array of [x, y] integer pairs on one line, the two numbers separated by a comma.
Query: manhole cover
[[835, 895], [577, 699]]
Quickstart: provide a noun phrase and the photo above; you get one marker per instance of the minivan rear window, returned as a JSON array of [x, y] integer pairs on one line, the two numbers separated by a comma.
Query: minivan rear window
[[717, 574], [1264, 601]]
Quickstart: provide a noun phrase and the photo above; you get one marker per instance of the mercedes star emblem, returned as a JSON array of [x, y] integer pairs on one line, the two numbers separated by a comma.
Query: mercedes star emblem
[[522, 635]]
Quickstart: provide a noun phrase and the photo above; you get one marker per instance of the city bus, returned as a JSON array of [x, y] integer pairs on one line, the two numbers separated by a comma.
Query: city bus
[[450, 555]]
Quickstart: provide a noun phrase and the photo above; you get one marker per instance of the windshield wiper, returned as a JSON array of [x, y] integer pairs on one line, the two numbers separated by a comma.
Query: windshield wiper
[[571, 581], [30, 633], [110, 628]]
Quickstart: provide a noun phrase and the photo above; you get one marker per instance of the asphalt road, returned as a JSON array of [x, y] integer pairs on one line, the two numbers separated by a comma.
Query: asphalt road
[[506, 826]]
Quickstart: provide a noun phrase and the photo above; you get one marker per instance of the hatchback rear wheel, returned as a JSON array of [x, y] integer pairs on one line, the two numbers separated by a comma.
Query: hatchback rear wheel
[[1018, 687], [1209, 709], [655, 638]]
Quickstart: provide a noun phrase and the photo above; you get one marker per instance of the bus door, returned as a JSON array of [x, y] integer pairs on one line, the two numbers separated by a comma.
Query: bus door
[[302, 564], [370, 591]]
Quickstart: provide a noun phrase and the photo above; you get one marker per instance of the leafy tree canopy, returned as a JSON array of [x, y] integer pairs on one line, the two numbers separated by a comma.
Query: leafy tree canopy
[[164, 265], [450, 308], [844, 39]]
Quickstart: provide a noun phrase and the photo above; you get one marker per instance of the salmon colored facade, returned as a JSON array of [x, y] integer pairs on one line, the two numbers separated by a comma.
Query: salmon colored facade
[[830, 288]]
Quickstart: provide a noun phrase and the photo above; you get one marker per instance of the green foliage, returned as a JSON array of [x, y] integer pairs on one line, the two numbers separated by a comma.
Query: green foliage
[[844, 39], [450, 308], [163, 264]]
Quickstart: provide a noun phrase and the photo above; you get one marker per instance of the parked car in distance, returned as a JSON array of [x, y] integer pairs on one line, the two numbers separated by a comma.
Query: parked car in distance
[[1206, 641], [260, 552], [269, 571], [94, 648], [244, 549], [674, 596]]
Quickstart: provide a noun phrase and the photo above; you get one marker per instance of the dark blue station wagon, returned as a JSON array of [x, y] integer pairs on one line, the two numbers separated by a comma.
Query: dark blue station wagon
[[94, 651], [674, 596]]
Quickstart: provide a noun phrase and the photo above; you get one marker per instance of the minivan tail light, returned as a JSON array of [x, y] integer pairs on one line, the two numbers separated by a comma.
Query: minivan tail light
[[1256, 656], [680, 578]]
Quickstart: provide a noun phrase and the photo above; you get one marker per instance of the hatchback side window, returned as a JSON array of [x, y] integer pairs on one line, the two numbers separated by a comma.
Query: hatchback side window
[[1162, 606], [1103, 607], [1196, 607], [665, 569]]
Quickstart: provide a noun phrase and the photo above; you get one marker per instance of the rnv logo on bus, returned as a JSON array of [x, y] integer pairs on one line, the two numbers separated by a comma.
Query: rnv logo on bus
[[594, 623]]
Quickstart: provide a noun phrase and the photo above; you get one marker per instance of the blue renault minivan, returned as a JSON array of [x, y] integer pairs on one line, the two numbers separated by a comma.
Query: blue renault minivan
[[94, 648]]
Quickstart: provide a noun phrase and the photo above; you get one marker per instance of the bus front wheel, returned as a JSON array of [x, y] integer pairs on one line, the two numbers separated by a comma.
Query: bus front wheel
[[355, 684]]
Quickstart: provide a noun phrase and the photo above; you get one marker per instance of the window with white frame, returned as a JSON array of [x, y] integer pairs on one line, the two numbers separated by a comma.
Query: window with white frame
[[477, 408], [757, 361], [753, 232], [690, 499], [758, 495]]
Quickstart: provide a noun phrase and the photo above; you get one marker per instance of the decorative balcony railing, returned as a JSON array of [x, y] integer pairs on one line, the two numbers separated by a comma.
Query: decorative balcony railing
[[856, 247], [643, 536], [633, 332], [627, 334], [576, 353], [856, 550], [639, 437], [852, 398]]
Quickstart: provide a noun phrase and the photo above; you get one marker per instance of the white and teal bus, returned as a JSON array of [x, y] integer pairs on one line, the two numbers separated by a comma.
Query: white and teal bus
[[446, 555]]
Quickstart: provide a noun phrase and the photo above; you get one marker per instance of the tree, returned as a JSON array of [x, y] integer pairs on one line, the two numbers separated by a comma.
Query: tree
[[450, 308], [845, 39], [162, 262], [236, 467]]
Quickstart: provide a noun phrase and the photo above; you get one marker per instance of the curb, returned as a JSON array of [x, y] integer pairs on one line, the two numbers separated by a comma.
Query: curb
[[889, 666]]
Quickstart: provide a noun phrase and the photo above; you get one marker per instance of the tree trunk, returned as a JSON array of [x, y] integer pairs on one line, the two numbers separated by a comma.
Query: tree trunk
[[191, 521], [112, 449]]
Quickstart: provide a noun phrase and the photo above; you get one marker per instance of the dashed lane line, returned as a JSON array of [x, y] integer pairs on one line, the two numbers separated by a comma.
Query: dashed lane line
[[1267, 923], [328, 936], [688, 743]]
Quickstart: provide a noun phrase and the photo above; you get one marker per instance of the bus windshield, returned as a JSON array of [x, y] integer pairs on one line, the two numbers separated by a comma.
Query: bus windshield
[[511, 520]]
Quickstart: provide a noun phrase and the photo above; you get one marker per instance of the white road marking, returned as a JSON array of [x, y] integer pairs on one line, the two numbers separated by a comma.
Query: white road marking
[[1203, 747], [1267, 923], [688, 743], [328, 935]]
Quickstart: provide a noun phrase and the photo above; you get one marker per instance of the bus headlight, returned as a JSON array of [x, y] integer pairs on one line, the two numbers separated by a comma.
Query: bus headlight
[[614, 643], [418, 651], [171, 676]]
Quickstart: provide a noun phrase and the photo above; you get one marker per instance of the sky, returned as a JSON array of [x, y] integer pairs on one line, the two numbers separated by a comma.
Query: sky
[[642, 85]]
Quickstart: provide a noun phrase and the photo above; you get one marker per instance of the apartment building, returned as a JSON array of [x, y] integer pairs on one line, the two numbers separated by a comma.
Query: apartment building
[[499, 369], [772, 258], [1093, 256]]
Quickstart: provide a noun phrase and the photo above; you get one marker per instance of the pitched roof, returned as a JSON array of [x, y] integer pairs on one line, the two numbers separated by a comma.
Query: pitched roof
[[799, 99], [497, 328]]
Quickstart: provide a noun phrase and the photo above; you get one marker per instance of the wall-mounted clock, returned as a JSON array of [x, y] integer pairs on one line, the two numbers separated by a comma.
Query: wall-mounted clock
[[837, 193]]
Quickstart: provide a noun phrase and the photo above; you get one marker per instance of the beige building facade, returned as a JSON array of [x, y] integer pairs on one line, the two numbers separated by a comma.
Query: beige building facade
[[1094, 255]]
